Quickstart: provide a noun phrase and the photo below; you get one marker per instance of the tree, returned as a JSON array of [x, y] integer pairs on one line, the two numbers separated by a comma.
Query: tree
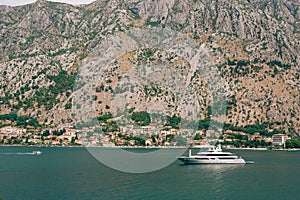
[[27, 121], [22, 120], [139, 141], [141, 118], [33, 122], [46, 133], [204, 124], [27, 138], [111, 126], [58, 133], [105, 117], [173, 121], [11, 116], [293, 143], [73, 140], [197, 137]]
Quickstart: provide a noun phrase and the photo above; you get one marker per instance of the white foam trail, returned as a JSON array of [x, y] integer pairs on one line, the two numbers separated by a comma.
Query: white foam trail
[[16, 153]]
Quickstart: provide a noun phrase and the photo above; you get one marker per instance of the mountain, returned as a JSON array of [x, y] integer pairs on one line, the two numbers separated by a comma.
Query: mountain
[[254, 43]]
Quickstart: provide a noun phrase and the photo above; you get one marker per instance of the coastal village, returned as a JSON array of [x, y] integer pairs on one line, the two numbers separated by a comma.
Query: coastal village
[[144, 136]]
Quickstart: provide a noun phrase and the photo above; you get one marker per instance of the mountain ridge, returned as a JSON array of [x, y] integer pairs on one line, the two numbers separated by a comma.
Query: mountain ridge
[[255, 45]]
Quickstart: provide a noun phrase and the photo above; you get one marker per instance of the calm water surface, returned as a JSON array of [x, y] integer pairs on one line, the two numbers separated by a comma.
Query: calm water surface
[[72, 173]]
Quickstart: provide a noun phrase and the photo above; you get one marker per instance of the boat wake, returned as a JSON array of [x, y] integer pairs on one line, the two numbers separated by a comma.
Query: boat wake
[[15, 153], [22, 153]]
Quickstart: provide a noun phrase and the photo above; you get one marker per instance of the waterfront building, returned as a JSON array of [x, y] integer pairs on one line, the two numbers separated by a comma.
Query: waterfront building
[[12, 130], [278, 140]]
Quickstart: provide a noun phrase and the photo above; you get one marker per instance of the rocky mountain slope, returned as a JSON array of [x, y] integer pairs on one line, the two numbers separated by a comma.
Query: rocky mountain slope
[[255, 44]]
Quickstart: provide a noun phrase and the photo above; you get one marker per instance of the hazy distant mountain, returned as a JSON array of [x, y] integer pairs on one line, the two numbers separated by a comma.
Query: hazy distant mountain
[[255, 44]]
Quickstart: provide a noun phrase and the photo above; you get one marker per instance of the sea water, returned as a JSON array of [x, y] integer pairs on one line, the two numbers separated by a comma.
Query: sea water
[[73, 173]]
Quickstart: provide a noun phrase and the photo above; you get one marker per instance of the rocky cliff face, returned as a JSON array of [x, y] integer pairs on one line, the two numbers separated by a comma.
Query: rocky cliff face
[[255, 44]]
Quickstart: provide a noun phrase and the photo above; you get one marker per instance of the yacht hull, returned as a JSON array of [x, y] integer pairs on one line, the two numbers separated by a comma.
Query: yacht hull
[[189, 160]]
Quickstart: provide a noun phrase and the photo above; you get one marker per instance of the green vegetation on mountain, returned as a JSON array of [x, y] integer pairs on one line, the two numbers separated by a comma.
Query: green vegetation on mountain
[[111, 126], [263, 129], [204, 124], [173, 121], [11, 117], [21, 121], [105, 117], [49, 97], [141, 118], [254, 128]]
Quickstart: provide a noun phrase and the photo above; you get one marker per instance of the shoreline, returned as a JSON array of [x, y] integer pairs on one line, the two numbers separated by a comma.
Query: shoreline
[[254, 149], [104, 147], [144, 147]]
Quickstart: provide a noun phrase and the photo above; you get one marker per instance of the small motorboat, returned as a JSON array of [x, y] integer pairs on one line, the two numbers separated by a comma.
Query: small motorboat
[[36, 152]]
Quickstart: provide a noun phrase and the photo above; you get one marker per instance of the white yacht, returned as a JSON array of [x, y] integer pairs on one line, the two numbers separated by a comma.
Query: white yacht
[[214, 155]]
